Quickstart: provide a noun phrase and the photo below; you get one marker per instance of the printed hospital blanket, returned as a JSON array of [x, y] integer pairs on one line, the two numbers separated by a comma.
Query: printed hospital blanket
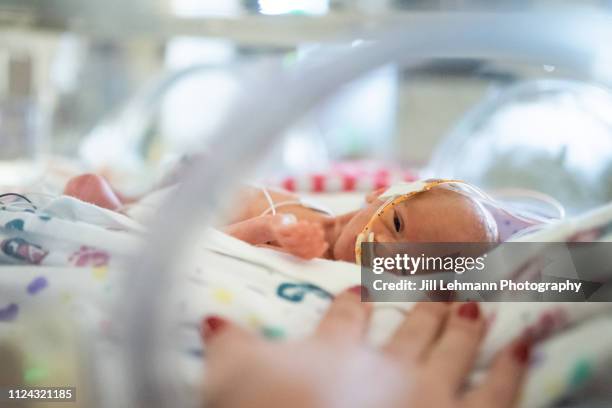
[[65, 255]]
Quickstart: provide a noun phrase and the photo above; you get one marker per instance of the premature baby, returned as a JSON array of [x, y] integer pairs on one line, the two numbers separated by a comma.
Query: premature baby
[[282, 220]]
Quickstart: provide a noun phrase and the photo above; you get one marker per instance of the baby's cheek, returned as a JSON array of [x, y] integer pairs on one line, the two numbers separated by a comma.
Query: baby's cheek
[[382, 237]]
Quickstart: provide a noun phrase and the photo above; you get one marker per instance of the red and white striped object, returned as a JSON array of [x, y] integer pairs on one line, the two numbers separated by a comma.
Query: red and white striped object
[[346, 177]]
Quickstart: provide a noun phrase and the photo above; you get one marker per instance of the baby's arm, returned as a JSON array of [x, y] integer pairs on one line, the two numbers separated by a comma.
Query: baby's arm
[[255, 231], [300, 238]]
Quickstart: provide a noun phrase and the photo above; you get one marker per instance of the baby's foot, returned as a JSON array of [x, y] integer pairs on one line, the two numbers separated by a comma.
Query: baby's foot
[[302, 238], [93, 189]]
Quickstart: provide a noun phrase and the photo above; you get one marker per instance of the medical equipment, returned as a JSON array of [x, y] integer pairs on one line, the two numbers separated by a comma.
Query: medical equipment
[[401, 192], [561, 127], [526, 38], [396, 194], [23, 135]]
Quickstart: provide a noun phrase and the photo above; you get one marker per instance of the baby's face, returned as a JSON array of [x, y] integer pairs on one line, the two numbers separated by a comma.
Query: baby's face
[[438, 215]]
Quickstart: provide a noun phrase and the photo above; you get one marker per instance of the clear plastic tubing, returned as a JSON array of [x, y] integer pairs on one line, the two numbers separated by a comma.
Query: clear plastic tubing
[[279, 97]]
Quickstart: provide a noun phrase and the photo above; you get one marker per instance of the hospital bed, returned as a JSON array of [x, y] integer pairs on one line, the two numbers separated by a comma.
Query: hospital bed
[[141, 322]]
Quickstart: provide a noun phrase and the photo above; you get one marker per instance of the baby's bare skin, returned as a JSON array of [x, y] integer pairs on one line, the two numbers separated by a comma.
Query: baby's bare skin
[[438, 215]]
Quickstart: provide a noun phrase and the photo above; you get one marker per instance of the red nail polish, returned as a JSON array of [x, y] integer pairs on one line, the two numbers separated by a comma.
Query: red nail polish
[[522, 351], [469, 310], [211, 326], [359, 290]]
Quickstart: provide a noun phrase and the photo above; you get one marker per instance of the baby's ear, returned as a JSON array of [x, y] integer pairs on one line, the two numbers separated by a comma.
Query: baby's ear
[[374, 194]]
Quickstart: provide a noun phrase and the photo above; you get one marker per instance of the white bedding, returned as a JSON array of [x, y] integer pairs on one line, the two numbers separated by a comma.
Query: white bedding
[[267, 291]]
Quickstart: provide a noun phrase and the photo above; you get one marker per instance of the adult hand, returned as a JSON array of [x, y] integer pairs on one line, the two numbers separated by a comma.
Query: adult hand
[[426, 362]]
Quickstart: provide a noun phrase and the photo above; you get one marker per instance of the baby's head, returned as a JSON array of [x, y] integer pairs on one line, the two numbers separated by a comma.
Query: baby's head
[[437, 215]]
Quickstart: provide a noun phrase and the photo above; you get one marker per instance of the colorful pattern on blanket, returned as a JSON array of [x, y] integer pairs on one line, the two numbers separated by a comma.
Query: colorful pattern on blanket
[[70, 253]]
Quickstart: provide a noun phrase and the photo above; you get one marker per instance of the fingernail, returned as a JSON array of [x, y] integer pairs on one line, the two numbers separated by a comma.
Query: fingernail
[[522, 351], [211, 325], [360, 291], [469, 311]]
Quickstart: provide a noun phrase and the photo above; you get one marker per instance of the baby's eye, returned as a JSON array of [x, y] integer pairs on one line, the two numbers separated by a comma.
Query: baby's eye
[[397, 223]]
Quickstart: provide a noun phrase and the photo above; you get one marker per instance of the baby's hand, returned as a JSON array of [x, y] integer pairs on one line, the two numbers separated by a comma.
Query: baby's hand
[[300, 238]]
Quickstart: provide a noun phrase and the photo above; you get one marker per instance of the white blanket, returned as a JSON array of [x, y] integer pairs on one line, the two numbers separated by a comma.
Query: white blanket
[[71, 254]]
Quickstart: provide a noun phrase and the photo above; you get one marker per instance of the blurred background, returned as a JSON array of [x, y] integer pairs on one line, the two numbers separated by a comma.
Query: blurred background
[[125, 87]]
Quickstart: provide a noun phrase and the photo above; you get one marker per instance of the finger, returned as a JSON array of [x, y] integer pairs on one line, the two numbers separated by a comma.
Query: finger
[[371, 197], [220, 333], [229, 349], [227, 344], [451, 359], [347, 317], [502, 385], [417, 332]]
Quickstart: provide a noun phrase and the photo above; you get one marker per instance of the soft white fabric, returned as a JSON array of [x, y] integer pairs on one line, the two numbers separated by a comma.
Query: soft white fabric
[[266, 291]]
